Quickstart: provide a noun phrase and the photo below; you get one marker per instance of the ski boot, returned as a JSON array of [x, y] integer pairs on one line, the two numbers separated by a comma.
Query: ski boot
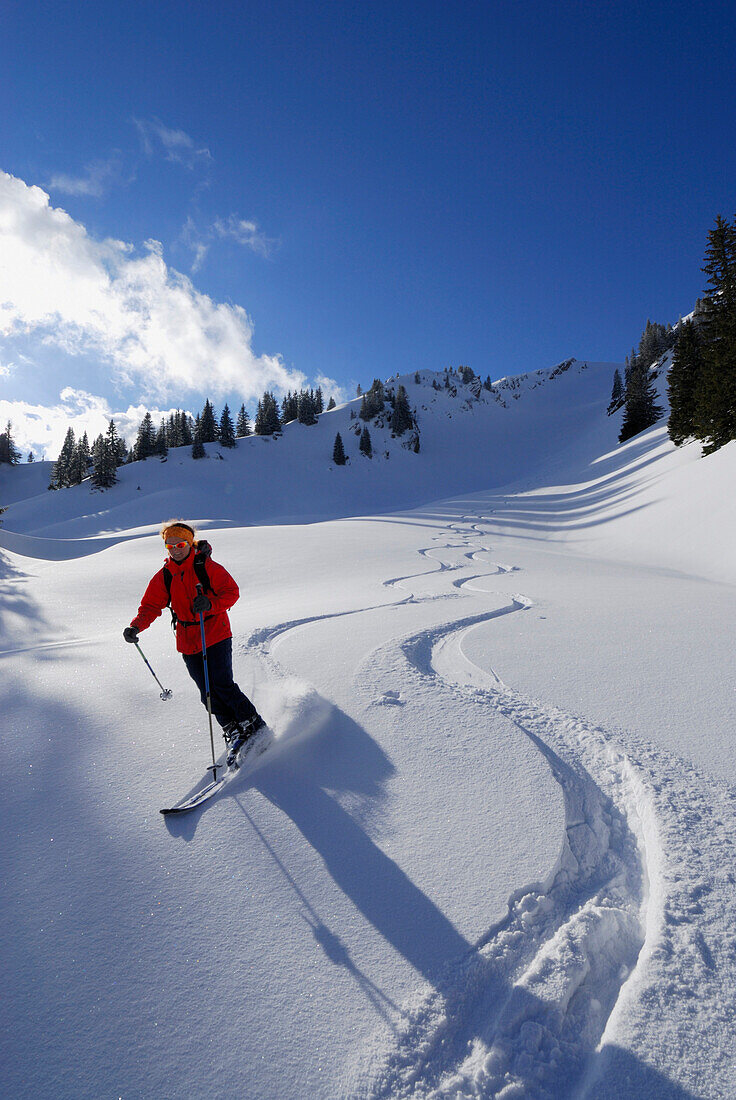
[[241, 733]]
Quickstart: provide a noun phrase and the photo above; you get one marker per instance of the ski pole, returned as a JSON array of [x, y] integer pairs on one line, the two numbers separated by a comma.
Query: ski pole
[[213, 766], [166, 693]]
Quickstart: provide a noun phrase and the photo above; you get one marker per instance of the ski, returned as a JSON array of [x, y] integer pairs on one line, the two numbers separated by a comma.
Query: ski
[[200, 797], [248, 754]]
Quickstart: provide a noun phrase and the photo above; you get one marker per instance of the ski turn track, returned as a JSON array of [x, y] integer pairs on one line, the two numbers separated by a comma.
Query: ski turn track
[[587, 987]]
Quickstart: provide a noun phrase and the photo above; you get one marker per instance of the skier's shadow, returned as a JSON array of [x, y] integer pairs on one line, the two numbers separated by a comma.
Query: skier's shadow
[[330, 943], [345, 760]]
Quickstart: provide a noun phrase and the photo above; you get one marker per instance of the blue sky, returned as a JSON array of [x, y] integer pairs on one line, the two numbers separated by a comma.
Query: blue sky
[[345, 190]]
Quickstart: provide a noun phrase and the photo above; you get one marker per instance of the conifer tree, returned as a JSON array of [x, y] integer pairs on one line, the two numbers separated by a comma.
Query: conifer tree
[[9, 453], [161, 443], [78, 468], [641, 410], [146, 439], [207, 424], [226, 429], [617, 394], [242, 427], [683, 382], [654, 342], [198, 450], [31, 457], [273, 420], [267, 420], [331, 404], [305, 408], [365, 443], [289, 408], [338, 451], [715, 399], [401, 418], [173, 430], [374, 400], [117, 445], [104, 462], [377, 396], [319, 401], [62, 467]]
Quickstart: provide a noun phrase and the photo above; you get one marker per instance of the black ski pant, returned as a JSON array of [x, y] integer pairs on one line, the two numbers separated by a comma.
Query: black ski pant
[[229, 704]]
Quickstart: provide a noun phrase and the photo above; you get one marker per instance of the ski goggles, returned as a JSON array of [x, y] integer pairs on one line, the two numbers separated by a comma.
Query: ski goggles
[[177, 545]]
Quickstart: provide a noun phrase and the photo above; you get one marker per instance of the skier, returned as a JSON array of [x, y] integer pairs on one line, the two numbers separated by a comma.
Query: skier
[[188, 565]]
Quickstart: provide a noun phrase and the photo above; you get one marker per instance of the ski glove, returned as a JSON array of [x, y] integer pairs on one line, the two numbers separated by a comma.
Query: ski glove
[[201, 603], [130, 634]]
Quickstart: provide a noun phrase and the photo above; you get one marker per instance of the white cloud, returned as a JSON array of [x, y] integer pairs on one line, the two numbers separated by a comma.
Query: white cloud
[[175, 145], [330, 388], [240, 230], [98, 178], [42, 428], [246, 233], [127, 308], [194, 240]]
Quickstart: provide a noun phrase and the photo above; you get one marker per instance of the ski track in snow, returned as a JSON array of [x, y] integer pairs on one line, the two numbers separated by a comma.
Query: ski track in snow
[[587, 965]]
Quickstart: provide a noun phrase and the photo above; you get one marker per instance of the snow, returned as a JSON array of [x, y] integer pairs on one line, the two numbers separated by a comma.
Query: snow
[[491, 851]]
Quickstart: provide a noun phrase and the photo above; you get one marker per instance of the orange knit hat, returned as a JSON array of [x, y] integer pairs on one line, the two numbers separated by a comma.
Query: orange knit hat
[[178, 531]]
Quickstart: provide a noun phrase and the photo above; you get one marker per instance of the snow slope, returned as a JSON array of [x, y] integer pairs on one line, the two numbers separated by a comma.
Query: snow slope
[[491, 851], [292, 478]]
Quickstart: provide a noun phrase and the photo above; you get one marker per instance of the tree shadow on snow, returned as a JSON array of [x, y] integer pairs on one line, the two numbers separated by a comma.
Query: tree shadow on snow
[[15, 601], [615, 481]]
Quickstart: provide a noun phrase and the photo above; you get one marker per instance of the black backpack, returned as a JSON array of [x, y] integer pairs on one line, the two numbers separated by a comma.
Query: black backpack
[[203, 552]]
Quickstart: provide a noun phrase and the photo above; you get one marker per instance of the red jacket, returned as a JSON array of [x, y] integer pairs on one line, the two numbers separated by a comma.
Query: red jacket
[[223, 594]]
